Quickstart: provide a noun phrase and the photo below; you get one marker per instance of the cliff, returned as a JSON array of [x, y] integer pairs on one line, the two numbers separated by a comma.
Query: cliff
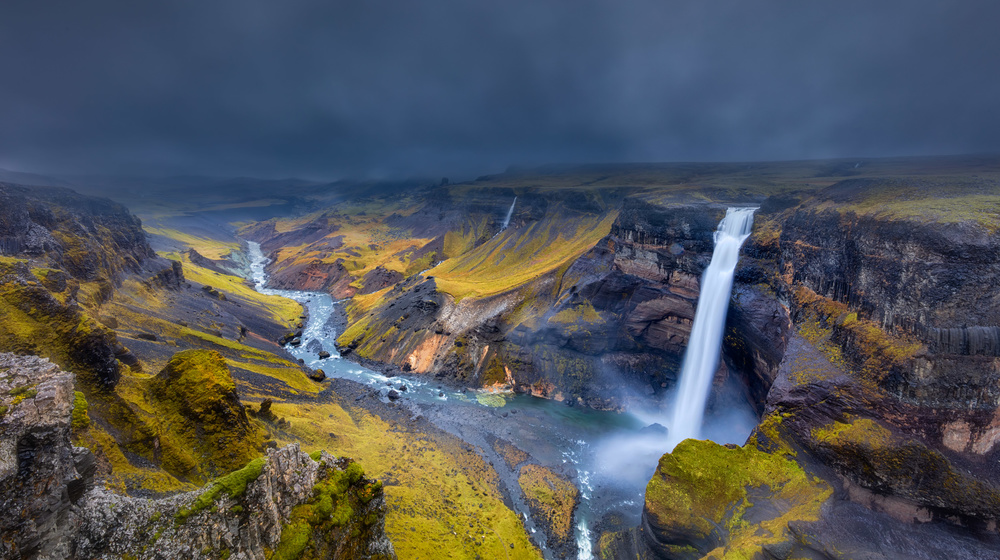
[[868, 326], [288, 504], [586, 291], [91, 238], [863, 327]]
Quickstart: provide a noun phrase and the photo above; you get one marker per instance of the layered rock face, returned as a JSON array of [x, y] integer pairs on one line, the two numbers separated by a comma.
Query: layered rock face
[[870, 337], [936, 283], [623, 311], [288, 502], [91, 238], [42, 476]]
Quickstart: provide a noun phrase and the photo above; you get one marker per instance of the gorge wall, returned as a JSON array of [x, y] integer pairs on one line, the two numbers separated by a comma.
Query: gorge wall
[[870, 335], [863, 326], [611, 301]]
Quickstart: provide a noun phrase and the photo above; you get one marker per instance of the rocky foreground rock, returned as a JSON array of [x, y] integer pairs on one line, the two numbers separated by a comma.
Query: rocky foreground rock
[[288, 504]]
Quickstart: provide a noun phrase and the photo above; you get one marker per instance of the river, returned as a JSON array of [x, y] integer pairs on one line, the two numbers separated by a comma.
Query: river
[[609, 456]]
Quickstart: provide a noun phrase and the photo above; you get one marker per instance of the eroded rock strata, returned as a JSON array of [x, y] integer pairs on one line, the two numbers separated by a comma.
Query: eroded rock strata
[[863, 326], [882, 389], [288, 502]]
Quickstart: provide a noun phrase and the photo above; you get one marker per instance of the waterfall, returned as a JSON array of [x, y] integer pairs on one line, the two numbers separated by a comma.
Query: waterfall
[[702, 355], [509, 214]]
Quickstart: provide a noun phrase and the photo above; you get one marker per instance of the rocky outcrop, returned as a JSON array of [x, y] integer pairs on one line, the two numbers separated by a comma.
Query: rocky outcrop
[[221, 266], [933, 281], [91, 238], [41, 316], [313, 275], [378, 279], [165, 273], [42, 476], [288, 502], [708, 500]]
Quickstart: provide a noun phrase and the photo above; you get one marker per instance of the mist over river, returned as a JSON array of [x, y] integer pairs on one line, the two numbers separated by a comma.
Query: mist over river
[[609, 456]]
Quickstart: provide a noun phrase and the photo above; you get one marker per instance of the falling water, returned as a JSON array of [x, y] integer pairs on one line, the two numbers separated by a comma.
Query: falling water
[[509, 214], [702, 356]]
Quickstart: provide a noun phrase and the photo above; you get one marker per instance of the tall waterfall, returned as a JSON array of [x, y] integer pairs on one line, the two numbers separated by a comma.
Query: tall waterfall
[[702, 355], [509, 214]]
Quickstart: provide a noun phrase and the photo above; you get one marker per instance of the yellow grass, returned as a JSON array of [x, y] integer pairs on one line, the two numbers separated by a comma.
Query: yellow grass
[[211, 248], [442, 499], [516, 257]]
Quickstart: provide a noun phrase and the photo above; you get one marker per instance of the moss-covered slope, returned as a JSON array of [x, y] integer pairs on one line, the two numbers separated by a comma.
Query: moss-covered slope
[[202, 427]]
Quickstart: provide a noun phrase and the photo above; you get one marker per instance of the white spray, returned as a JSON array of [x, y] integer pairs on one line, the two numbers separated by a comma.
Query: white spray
[[509, 214], [702, 355]]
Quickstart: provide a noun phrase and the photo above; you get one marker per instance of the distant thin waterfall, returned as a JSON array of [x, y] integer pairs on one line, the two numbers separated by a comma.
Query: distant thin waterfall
[[701, 359], [509, 214]]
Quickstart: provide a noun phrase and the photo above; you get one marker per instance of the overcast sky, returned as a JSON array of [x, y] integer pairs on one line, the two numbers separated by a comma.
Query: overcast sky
[[334, 88]]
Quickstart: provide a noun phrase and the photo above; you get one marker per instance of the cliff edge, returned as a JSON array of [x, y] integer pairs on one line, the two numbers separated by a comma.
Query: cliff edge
[[288, 504]]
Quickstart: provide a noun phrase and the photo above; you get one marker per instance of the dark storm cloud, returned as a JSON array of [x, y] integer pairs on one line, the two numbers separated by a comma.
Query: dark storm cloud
[[327, 88]]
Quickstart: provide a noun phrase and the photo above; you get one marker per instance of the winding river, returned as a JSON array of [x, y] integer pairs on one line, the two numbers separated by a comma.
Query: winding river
[[609, 456]]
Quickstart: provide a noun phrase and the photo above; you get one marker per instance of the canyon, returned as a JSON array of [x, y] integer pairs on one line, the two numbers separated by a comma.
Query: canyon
[[863, 336]]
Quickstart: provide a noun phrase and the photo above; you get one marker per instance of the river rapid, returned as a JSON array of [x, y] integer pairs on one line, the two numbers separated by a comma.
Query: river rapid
[[609, 456]]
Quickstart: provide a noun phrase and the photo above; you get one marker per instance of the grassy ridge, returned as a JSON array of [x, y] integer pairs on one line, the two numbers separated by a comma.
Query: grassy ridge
[[210, 248], [518, 256], [923, 200]]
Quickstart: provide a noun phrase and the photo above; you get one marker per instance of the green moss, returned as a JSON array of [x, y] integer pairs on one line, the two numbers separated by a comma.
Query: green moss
[[862, 431], [551, 497], [517, 257], [22, 393], [33, 321], [494, 373], [854, 344], [438, 486], [233, 485], [581, 313], [80, 419], [958, 200], [332, 505], [874, 457], [202, 427], [200, 377], [492, 400], [702, 486], [294, 540]]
